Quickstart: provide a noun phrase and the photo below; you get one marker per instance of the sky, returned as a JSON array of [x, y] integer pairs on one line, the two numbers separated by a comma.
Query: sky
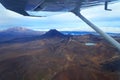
[[108, 21]]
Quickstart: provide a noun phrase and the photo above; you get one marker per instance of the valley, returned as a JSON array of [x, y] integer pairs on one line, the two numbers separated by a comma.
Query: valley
[[56, 56]]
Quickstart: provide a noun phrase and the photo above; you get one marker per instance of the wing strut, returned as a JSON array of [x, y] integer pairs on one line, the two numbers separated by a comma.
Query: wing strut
[[103, 34]]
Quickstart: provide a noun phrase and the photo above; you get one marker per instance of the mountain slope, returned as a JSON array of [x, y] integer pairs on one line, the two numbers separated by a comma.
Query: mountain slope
[[56, 58], [17, 32]]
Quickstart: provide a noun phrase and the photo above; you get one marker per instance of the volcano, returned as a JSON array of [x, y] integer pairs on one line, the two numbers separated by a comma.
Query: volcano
[[53, 33]]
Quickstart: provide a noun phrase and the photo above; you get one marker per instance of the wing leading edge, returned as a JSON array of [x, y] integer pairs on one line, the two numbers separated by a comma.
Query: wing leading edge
[[16, 6], [24, 6]]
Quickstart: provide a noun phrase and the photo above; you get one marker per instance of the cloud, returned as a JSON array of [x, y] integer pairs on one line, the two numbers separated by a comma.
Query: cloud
[[99, 10], [106, 20]]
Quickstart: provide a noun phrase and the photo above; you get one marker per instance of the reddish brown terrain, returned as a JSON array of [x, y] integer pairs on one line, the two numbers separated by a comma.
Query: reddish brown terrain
[[59, 57]]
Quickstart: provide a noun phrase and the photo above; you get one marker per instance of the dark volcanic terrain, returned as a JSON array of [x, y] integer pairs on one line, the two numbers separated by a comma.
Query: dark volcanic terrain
[[55, 56]]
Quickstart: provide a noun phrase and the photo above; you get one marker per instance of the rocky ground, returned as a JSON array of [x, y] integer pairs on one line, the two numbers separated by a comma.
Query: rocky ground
[[59, 57]]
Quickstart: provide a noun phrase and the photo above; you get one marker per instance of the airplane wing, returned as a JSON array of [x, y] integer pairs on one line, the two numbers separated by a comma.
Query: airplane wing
[[15, 5], [25, 7]]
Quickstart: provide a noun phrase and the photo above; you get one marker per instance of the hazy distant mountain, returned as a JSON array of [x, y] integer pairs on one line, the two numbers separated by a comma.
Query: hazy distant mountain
[[18, 29], [24, 35], [87, 32], [17, 32], [78, 32]]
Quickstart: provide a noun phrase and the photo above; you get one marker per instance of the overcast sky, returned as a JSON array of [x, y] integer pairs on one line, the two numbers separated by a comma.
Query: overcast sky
[[108, 21]]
